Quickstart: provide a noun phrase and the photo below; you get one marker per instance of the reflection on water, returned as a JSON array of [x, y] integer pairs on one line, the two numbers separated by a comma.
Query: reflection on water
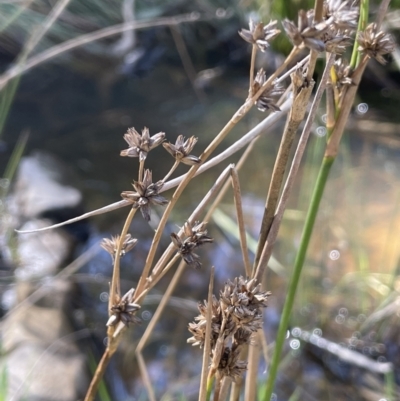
[[351, 278]]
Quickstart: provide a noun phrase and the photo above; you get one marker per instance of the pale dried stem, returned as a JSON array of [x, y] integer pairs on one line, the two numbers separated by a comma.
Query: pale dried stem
[[318, 10], [218, 349], [46, 288], [252, 66], [267, 251], [381, 13], [149, 329], [302, 91], [237, 196], [37, 35], [250, 390], [215, 189], [207, 341], [98, 375], [85, 39], [311, 65], [164, 300], [141, 168], [226, 186], [173, 168], [115, 280], [223, 394], [235, 390], [217, 387], [145, 377], [153, 281]]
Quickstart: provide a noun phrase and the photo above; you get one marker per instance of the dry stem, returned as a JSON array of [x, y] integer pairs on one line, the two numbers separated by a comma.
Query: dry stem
[[302, 91], [267, 251], [207, 342]]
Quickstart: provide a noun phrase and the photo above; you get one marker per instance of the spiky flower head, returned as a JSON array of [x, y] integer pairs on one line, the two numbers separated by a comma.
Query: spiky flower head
[[181, 150], [307, 33], [243, 300], [230, 365], [140, 145], [235, 316], [335, 41], [124, 310], [266, 100], [260, 34], [193, 236], [341, 73], [375, 44], [111, 245], [344, 14], [146, 193]]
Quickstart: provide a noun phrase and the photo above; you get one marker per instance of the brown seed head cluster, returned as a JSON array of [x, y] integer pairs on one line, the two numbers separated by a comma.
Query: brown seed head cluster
[[140, 145], [235, 317], [306, 33], [111, 245], [344, 14], [342, 74], [146, 193], [375, 44], [333, 33], [266, 100], [260, 34], [181, 150], [193, 237], [124, 310]]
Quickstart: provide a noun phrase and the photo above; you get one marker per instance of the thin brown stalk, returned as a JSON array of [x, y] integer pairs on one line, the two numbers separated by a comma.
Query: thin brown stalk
[[149, 329], [153, 281], [217, 387], [318, 9], [227, 185], [164, 300], [37, 35], [250, 390], [239, 213], [187, 61], [267, 251], [98, 375], [141, 169], [252, 66], [207, 342], [215, 189], [262, 128], [226, 382], [115, 280], [145, 377], [235, 390], [301, 91], [218, 350], [381, 13], [173, 168]]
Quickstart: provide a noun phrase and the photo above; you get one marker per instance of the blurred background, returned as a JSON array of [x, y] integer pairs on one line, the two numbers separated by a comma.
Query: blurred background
[[74, 76]]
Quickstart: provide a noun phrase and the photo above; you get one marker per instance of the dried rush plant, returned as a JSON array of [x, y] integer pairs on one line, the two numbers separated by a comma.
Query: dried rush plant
[[229, 324]]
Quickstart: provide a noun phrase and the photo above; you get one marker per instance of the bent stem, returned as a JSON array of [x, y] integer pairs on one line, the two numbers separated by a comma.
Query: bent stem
[[299, 262]]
